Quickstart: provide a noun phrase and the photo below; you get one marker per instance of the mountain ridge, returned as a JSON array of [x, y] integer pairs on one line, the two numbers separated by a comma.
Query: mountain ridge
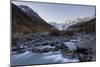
[[69, 23], [22, 21]]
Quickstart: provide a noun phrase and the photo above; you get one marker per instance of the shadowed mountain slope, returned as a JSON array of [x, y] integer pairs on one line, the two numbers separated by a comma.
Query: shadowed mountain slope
[[25, 20]]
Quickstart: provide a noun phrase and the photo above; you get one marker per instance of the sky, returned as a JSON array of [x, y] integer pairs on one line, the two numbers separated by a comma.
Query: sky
[[59, 13]]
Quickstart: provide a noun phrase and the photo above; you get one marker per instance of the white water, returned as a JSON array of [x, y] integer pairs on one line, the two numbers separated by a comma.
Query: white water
[[39, 58], [71, 46]]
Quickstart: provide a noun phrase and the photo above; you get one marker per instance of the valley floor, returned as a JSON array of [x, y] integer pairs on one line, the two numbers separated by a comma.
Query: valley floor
[[47, 49]]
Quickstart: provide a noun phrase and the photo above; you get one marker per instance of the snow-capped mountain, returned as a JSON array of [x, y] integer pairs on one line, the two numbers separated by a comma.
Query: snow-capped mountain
[[86, 24], [80, 20], [69, 22], [59, 26]]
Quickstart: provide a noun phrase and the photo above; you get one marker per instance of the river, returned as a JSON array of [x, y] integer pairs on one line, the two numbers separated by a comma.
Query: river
[[39, 58]]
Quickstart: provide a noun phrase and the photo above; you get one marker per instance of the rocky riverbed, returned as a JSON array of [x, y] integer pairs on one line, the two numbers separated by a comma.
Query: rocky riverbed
[[81, 47]]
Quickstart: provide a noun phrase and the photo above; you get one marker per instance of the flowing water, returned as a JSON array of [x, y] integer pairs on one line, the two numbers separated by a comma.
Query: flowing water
[[40, 58]]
